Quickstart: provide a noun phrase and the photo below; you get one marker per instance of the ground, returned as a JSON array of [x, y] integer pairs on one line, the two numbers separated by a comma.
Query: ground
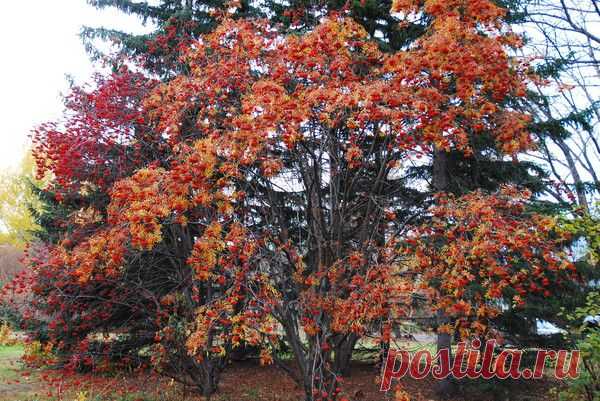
[[247, 381]]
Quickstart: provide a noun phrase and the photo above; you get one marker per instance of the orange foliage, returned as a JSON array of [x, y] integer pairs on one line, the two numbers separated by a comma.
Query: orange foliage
[[479, 248]]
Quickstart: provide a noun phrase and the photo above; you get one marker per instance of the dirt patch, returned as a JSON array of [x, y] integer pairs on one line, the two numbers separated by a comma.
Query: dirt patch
[[249, 382]]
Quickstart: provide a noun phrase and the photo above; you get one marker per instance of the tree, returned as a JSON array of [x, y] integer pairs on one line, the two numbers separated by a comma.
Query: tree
[[224, 185], [178, 22], [85, 281], [565, 106], [565, 117], [480, 250], [17, 205], [332, 112], [261, 187], [102, 139]]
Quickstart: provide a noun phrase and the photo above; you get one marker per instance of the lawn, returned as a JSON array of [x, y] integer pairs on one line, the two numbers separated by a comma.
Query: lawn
[[14, 386], [9, 356]]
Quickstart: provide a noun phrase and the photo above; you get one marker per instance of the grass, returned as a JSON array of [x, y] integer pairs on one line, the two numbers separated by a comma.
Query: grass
[[10, 373], [9, 357], [11, 351]]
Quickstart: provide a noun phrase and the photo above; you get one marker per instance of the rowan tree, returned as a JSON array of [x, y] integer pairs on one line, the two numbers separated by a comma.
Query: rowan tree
[[258, 193], [102, 138], [94, 279], [257, 109], [486, 167], [314, 127], [481, 249]]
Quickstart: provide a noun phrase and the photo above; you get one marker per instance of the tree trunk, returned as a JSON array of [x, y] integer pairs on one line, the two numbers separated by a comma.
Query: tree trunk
[[445, 387], [316, 372], [343, 355], [441, 183], [577, 181]]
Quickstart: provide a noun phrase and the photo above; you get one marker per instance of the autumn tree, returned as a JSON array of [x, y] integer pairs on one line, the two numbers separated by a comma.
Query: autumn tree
[[486, 167], [304, 123], [228, 118], [91, 278], [18, 204], [481, 248], [259, 194], [102, 138]]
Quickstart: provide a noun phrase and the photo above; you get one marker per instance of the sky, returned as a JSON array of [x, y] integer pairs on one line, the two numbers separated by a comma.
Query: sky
[[39, 46]]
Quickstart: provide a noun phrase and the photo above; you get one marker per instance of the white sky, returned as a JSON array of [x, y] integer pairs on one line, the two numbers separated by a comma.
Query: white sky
[[39, 45]]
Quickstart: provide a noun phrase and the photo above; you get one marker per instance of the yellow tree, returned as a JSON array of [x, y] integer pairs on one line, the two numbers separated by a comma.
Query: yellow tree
[[16, 198]]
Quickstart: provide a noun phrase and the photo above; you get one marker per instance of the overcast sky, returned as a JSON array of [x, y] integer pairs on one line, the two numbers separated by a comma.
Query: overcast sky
[[39, 45]]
